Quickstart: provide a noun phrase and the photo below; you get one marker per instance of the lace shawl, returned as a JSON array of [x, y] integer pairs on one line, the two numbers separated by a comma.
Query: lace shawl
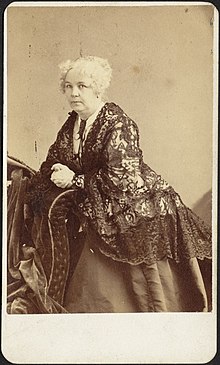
[[134, 215]]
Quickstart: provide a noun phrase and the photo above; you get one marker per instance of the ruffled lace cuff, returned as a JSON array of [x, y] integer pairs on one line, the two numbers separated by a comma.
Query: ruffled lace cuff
[[78, 181]]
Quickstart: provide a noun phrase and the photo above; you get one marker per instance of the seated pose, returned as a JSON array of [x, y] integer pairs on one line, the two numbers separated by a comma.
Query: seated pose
[[110, 235]]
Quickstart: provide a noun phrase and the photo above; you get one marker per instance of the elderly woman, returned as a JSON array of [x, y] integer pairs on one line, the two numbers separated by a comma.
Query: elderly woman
[[136, 246]]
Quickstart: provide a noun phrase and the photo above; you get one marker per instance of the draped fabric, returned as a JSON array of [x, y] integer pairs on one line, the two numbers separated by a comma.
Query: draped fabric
[[28, 285], [134, 219]]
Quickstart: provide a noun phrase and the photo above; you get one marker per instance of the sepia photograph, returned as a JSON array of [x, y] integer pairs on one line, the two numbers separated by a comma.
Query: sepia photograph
[[110, 186]]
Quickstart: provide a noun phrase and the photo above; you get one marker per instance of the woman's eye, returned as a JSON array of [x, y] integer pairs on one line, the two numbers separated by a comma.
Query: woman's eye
[[82, 86], [68, 86]]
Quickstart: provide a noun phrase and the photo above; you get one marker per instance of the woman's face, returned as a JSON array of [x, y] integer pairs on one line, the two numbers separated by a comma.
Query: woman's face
[[80, 94]]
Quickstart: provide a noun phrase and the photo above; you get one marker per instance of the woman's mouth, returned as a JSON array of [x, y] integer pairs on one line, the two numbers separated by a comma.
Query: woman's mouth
[[76, 102]]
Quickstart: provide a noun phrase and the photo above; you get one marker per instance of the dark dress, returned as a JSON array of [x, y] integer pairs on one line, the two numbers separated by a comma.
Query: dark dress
[[143, 245]]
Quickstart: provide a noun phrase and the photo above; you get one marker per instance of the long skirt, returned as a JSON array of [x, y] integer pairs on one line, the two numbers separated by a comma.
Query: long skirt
[[102, 285]]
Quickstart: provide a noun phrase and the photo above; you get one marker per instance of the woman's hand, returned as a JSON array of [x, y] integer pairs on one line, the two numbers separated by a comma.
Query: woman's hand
[[62, 176]]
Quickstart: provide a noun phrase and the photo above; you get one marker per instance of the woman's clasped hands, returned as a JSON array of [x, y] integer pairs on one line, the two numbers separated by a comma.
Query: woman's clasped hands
[[62, 176]]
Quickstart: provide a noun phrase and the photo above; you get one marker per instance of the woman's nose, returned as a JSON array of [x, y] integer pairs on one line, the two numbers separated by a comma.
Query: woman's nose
[[75, 91]]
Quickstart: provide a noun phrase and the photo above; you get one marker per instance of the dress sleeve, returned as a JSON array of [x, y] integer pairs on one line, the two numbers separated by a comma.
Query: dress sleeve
[[125, 171], [40, 185], [122, 170], [119, 192]]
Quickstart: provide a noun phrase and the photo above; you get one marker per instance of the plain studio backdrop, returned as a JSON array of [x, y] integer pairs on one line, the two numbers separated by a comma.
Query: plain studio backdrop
[[162, 60]]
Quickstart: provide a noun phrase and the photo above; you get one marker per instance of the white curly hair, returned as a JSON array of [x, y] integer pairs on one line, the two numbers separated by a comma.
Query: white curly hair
[[98, 69]]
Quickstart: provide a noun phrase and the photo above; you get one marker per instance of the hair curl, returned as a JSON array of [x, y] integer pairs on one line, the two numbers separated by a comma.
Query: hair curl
[[98, 69]]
